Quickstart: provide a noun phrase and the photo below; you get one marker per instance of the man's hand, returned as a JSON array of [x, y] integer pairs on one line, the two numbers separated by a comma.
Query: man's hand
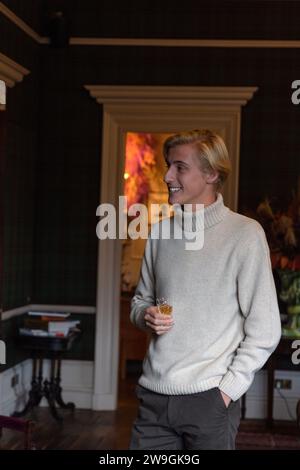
[[160, 324], [226, 398]]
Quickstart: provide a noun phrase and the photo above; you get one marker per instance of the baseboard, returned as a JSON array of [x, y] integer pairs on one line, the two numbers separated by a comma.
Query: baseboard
[[104, 402], [77, 384]]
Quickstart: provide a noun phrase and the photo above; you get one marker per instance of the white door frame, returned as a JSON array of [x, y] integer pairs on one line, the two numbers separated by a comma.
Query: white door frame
[[148, 109]]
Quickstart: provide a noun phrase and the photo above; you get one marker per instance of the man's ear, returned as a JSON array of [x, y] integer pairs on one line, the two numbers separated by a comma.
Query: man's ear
[[212, 177]]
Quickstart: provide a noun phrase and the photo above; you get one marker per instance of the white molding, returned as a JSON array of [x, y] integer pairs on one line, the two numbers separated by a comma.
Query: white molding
[[122, 94], [152, 42], [104, 402], [2, 94], [20, 23], [64, 308], [10, 71], [15, 312], [47, 308], [148, 109]]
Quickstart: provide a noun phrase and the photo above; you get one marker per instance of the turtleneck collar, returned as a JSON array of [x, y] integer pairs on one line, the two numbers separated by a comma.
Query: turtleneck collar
[[193, 221]]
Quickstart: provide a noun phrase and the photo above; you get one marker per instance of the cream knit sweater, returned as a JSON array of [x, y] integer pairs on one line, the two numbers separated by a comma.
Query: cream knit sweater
[[225, 309]]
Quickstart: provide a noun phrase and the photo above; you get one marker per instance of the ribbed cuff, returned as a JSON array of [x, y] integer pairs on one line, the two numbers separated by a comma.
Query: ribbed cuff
[[232, 386], [139, 318]]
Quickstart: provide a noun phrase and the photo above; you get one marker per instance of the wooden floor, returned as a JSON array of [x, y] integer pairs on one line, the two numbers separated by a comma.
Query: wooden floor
[[83, 429], [105, 430]]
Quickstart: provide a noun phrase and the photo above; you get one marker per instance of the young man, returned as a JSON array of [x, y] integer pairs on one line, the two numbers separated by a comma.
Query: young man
[[225, 321]]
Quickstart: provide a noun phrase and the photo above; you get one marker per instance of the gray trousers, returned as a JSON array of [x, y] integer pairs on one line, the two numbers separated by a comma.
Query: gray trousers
[[199, 421]]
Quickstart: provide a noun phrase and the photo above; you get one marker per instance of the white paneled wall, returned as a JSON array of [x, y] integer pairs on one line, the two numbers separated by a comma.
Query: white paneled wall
[[77, 384], [256, 397]]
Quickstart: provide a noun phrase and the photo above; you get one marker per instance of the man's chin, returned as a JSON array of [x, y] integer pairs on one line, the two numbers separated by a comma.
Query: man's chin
[[174, 200]]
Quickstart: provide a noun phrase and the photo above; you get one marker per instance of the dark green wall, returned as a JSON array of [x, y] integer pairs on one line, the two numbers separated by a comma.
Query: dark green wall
[[29, 10], [215, 19], [68, 184], [21, 154]]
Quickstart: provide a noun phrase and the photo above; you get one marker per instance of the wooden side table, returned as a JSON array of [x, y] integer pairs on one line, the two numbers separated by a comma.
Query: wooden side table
[[53, 348]]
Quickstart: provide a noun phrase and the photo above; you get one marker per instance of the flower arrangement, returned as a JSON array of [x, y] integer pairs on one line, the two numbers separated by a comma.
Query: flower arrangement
[[282, 229], [283, 233]]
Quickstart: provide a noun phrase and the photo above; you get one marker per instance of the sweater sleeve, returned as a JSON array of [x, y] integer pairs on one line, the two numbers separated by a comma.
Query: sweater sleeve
[[145, 291], [258, 304]]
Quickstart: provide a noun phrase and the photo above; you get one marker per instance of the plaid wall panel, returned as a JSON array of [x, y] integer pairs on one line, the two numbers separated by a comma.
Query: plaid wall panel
[[21, 151]]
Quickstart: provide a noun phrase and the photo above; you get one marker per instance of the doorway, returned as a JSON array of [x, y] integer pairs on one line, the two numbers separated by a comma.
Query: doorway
[[143, 183], [148, 109]]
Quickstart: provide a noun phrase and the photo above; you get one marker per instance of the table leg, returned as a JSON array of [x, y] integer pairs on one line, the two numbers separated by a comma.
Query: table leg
[[58, 389], [49, 392], [35, 393]]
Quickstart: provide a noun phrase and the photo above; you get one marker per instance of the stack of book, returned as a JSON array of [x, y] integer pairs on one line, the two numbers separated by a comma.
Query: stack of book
[[48, 324]]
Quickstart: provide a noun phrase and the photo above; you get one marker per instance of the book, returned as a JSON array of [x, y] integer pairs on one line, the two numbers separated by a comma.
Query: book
[[49, 314], [47, 318], [45, 334], [35, 323], [50, 326], [29, 332], [62, 327]]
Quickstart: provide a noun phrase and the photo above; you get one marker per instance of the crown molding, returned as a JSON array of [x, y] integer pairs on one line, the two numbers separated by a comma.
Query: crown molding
[[21, 24], [152, 42], [223, 43], [10, 71], [172, 94]]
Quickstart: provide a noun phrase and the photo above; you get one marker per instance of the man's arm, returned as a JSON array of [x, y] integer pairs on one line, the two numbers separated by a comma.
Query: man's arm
[[144, 314], [258, 303], [145, 291]]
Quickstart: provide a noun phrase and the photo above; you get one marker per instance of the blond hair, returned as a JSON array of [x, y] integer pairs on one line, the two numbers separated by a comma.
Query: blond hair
[[211, 151]]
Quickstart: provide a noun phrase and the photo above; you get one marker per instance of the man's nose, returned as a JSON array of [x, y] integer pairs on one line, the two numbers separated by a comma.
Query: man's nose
[[169, 176]]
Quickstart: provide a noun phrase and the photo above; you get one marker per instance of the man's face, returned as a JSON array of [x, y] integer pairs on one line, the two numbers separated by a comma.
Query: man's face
[[187, 183]]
